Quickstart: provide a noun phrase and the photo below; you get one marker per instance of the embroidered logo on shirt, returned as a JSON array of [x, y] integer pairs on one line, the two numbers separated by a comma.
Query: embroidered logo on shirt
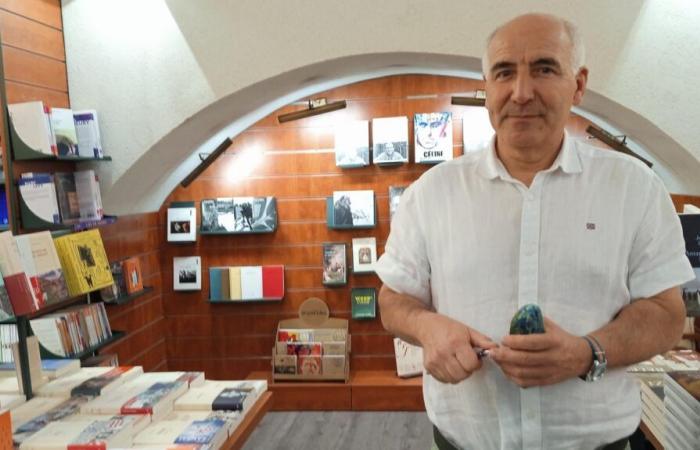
[[590, 226]]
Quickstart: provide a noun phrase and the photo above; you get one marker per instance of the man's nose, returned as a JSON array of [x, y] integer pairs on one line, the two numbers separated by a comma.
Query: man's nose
[[523, 88]]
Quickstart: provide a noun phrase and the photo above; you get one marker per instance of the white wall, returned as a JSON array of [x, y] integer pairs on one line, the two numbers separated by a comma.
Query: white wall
[[169, 77]]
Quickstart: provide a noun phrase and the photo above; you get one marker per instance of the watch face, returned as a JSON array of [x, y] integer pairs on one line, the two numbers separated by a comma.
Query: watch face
[[597, 371]]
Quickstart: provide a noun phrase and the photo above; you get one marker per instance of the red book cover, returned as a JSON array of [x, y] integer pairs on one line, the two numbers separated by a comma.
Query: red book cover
[[273, 282], [132, 275], [20, 293], [99, 445]]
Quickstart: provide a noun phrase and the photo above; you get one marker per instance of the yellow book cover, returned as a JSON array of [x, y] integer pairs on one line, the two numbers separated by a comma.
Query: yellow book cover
[[84, 261], [234, 280]]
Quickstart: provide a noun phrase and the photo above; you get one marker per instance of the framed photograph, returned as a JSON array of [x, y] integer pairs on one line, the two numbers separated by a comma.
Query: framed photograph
[[352, 144], [390, 140], [433, 137], [335, 269], [187, 273], [395, 193], [364, 254], [353, 209], [476, 128], [239, 215], [182, 223]]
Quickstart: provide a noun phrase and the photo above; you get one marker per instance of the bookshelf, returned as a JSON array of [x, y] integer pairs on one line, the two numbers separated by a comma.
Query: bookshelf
[[123, 300]]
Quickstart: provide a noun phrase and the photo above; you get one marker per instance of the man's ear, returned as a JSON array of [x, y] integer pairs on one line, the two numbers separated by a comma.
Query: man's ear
[[581, 81]]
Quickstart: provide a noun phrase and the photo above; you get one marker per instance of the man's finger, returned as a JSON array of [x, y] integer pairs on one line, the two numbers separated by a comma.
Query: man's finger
[[506, 355], [480, 340], [531, 342]]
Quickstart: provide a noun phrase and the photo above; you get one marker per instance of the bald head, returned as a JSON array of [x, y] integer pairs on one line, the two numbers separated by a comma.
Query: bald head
[[528, 22]]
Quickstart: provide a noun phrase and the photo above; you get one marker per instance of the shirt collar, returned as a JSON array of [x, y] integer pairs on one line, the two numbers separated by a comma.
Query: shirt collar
[[490, 166]]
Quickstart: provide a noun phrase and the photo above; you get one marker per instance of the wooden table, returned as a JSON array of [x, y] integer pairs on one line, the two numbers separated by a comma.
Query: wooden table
[[249, 422]]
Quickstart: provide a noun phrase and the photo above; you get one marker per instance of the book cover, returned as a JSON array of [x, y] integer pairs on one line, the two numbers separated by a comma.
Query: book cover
[[285, 364], [95, 385], [34, 358], [364, 303], [352, 144], [433, 137], [353, 209], [118, 289], [6, 311], [309, 365], [251, 283], [32, 125], [19, 289], [67, 196], [305, 348], [215, 283], [333, 365], [335, 270], [47, 265], [201, 432], [409, 358], [4, 213], [144, 402], [230, 399], [225, 284], [234, 279], [25, 253], [477, 131], [187, 273], [390, 140], [132, 275], [113, 431], [88, 189], [38, 192], [239, 215], [364, 254], [395, 193], [63, 126], [87, 129], [182, 224], [272, 282], [63, 410], [84, 261]]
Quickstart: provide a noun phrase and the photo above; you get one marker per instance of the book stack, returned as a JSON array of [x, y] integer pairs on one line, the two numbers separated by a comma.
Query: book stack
[[682, 407], [246, 283], [74, 330]]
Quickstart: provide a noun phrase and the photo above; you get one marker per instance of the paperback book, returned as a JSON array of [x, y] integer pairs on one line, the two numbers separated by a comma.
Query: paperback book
[[390, 140], [363, 303], [364, 254], [433, 137], [335, 270], [88, 131], [33, 126], [84, 261], [353, 209], [187, 273], [38, 192], [63, 126]]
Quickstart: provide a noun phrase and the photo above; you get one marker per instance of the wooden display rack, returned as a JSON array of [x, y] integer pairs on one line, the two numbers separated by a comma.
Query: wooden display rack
[[314, 315]]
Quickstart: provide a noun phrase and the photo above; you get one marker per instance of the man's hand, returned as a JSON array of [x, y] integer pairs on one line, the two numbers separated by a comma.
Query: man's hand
[[543, 359], [448, 348]]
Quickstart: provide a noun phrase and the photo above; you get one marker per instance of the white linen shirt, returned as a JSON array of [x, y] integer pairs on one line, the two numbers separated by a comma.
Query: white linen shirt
[[592, 233]]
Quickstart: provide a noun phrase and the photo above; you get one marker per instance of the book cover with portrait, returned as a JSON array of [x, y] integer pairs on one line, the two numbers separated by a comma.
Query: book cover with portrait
[[390, 140], [432, 134]]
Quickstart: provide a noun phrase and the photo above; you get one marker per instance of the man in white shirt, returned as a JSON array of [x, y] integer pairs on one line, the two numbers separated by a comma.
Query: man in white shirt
[[589, 235]]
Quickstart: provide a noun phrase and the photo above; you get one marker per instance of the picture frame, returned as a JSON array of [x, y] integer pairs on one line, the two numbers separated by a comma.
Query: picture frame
[[390, 140], [335, 267], [239, 215], [187, 273], [182, 222], [351, 209], [364, 255]]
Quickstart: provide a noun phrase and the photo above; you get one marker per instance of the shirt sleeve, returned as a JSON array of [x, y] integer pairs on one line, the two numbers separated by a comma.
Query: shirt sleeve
[[657, 260], [404, 267]]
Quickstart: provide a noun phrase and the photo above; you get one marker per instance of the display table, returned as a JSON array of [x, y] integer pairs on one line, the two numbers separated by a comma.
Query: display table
[[250, 421], [374, 390]]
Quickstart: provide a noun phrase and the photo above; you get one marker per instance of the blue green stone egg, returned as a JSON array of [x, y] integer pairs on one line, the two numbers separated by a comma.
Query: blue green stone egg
[[527, 320]]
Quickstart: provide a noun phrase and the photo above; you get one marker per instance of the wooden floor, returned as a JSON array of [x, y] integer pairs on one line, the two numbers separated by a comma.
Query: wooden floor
[[342, 430]]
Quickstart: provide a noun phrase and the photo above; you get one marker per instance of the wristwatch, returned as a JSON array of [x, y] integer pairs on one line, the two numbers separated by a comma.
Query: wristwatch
[[599, 364]]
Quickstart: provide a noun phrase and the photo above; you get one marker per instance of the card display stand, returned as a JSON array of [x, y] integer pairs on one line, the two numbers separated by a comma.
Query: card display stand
[[314, 333]]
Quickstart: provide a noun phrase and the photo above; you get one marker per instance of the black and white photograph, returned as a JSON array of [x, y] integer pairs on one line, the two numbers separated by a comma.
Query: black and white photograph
[[239, 215], [364, 254], [334, 264], [352, 144], [395, 193], [353, 209], [390, 140], [433, 137], [182, 224], [187, 273]]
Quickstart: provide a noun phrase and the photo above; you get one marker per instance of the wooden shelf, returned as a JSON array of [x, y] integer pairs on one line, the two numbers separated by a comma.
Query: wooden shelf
[[249, 422], [129, 298], [116, 335], [370, 390], [238, 302]]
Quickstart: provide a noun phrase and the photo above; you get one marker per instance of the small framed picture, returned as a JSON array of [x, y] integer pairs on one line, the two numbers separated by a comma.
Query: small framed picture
[[187, 273], [353, 209], [335, 270], [182, 223], [364, 255]]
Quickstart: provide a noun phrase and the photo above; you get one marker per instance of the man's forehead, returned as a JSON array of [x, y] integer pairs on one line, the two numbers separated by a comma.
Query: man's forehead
[[518, 44]]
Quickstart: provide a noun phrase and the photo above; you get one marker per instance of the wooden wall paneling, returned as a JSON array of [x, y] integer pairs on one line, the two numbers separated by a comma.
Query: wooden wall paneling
[[19, 92], [27, 34], [44, 11], [36, 70]]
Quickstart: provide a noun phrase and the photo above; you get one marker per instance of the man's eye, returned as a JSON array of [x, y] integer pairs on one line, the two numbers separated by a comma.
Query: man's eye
[[545, 70], [502, 74]]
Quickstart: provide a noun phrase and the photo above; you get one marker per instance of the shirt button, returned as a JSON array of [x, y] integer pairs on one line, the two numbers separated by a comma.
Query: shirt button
[[530, 196]]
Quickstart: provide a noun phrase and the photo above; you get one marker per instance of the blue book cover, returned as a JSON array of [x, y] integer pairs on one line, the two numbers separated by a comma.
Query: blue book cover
[[215, 283], [47, 365], [4, 216], [201, 432], [230, 399]]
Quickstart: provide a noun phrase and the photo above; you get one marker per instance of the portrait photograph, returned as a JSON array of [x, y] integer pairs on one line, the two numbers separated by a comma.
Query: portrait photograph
[[334, 264], [353, 209], [390, 140]]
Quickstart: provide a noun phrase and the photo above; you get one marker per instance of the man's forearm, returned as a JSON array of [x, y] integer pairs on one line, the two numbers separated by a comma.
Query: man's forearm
[[643, 329], [402, 315]]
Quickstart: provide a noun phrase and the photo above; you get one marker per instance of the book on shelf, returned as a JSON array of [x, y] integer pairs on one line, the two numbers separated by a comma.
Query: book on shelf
[[234, 283], [335, 268], [182, 222], [390, 140], [352, 144], [132, 275], [88, 131], [409, 358], [63, 125], [84, 261], [251, 283], [89, 197], [247, 283], [353, 209], [62, 387], [118, 288], [38, 192], [363, 303], [8, 336], [19, 288], [32, 123], [45, 265], [239, 215], [685, 385], [36, 375], [101, 360], [364, 254], [272, 282], [6, 311], [4, 212], [433, 137], [67, 197], [187, 273]]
